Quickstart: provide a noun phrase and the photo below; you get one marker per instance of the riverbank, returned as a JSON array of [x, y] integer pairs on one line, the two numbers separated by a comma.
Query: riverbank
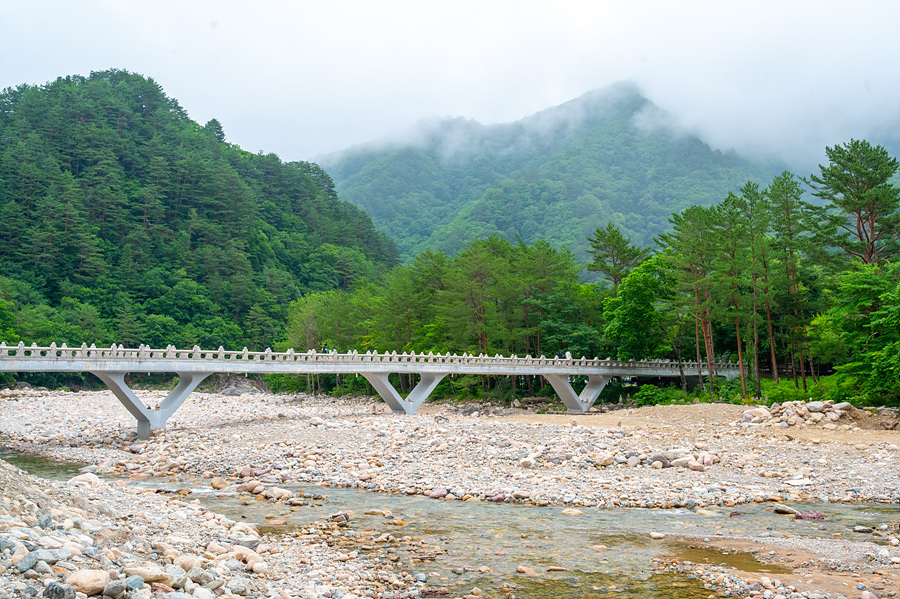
[[694, 457]]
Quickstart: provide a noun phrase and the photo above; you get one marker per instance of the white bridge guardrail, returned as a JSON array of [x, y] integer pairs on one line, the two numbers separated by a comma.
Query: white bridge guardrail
[[193, 365]]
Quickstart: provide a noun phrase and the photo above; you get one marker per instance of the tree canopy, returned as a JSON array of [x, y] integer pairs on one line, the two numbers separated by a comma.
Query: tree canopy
[[123, 220], [862, 213]]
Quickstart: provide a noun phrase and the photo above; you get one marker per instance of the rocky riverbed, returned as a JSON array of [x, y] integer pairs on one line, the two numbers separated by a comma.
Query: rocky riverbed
[[691, 457]]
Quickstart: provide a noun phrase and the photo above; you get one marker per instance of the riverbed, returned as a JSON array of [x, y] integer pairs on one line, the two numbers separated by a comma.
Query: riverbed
[[504, 478], [596, 553]]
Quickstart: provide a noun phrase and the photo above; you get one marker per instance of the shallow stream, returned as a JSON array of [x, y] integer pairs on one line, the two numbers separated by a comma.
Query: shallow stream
[[605, 553]]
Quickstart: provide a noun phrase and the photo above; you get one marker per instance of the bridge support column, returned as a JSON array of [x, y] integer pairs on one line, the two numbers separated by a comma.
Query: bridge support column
[[151, 419], [415, 398], [578, 403]]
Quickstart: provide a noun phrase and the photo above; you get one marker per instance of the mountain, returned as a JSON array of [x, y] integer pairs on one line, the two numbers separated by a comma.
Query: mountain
[[123, 220], [608, 156]]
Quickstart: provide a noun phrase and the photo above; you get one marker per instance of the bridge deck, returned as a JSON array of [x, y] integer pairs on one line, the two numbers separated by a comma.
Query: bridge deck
[[193, 365]]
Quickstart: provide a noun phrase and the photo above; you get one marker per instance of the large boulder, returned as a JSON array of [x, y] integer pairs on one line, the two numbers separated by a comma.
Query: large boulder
[[758, 414], [89, 582]]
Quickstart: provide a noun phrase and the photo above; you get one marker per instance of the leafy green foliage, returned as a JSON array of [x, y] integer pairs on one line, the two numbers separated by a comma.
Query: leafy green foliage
[[121, 220], [492, 297], [614, 256], [862, 216], [861, 332], [634, 317]]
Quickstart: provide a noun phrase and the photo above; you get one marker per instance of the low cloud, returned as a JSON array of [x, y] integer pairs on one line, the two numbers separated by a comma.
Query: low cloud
[[762, 77]]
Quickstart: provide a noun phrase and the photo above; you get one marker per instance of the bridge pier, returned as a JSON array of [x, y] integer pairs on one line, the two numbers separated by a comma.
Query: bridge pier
[[578, 403], [151, 419], [416, 397]]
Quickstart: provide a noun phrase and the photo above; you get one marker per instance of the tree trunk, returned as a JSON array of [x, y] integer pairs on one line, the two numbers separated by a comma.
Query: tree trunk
[[756, 339], [737, 326], [802, 364], [769, 323], [812, 372], [793, 364], [697, 336], [697, 342], [771, 341], [712, 370], [680, 367]]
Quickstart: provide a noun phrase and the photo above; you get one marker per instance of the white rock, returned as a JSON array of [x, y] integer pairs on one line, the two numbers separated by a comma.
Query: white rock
[[87, 479]]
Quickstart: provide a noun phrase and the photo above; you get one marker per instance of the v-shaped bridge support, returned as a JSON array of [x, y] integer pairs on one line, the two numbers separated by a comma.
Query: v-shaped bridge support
[[578, 403], [151, 419], [415, 398]]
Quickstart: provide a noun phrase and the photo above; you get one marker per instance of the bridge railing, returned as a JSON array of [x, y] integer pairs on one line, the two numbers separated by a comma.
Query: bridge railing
[[171, 353]]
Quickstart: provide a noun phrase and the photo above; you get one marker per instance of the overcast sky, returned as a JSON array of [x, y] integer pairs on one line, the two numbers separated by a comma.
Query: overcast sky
[[306, 77]]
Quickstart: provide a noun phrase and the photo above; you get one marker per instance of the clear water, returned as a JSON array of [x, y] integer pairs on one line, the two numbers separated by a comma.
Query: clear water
[[605, 553], [42, 467]]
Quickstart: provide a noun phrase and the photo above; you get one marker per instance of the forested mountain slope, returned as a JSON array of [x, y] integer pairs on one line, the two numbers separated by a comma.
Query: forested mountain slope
[[608, 156], [123, 220]]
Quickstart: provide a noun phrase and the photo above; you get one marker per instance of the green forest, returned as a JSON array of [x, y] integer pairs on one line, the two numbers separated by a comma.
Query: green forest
[[610, 156], [805, 296], [124, 221]]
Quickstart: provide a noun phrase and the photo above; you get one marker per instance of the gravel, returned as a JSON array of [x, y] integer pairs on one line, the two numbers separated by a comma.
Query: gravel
[[660, 457]]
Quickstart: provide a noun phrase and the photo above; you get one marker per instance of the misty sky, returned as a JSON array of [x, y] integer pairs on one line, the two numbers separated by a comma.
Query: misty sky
[[306, 77]]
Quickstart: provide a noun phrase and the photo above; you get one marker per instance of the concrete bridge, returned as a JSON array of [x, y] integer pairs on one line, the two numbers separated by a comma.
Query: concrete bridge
[[111, 365]]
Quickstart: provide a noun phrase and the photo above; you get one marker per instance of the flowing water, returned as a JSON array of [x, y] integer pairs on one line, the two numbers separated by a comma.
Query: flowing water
[[604, 553]]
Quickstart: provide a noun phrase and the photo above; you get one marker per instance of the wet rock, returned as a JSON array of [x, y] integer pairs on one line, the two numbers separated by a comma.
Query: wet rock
[[809, 515], [779, 508], [438, 493]]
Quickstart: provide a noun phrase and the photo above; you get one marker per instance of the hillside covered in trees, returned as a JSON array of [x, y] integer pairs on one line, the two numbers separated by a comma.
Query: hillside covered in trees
[[610, 156], [805, 296], [122, 220]]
